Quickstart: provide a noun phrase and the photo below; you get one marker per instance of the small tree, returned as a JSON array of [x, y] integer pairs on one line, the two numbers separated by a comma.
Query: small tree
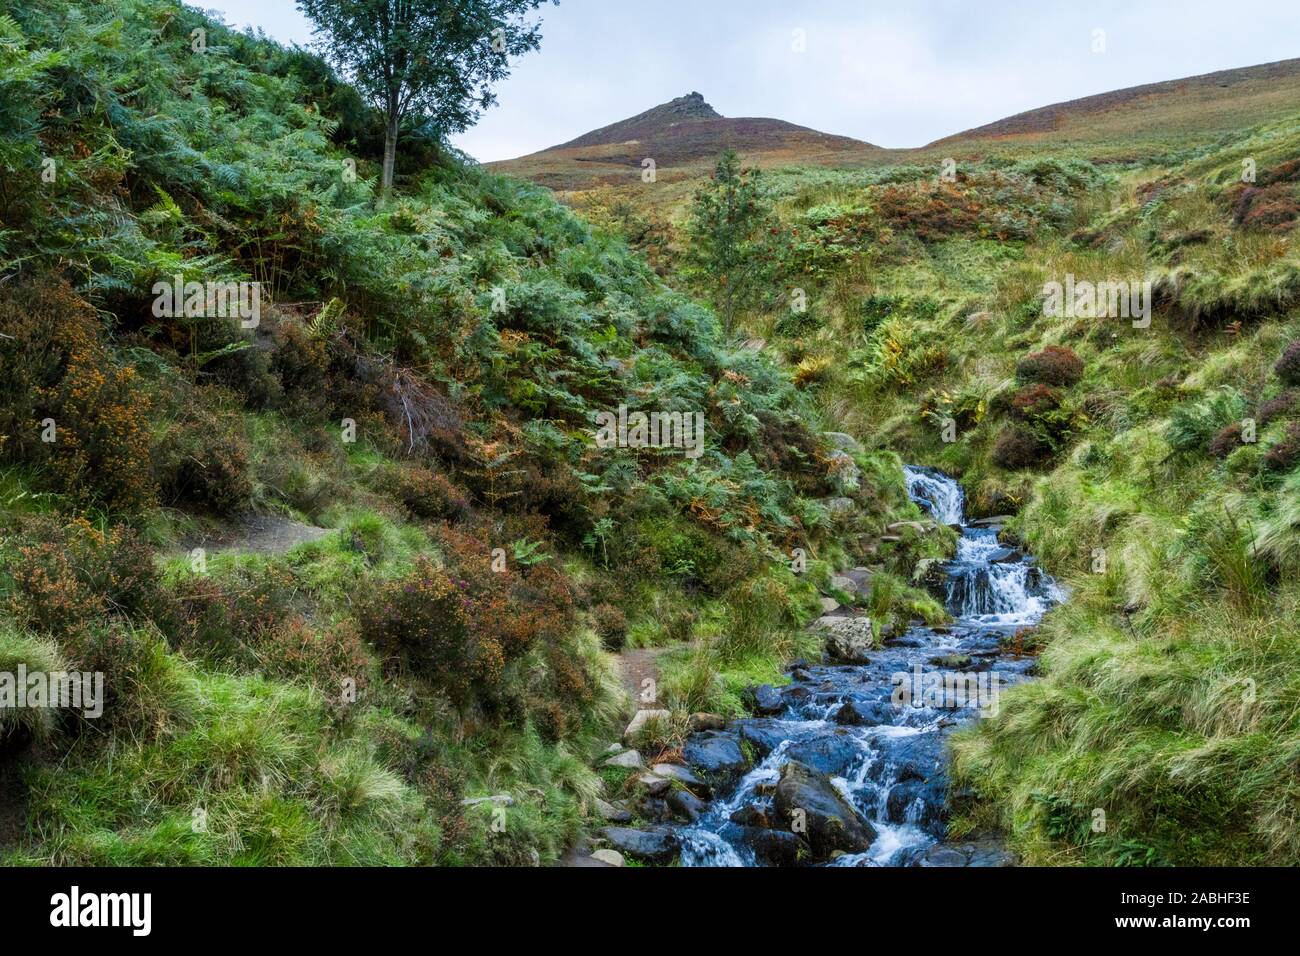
[[436, 59], [729, 228]]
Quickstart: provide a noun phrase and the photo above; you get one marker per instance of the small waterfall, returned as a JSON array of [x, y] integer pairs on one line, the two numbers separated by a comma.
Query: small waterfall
[[936, 493]]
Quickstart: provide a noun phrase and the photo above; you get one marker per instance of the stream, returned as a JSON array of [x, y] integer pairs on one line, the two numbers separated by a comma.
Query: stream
[[876, 731]]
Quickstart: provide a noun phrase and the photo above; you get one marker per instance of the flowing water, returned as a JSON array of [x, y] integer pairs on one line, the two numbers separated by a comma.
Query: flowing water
[[884, 753]]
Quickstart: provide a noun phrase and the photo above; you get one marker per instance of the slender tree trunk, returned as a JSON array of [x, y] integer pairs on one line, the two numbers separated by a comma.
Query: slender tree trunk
[[390, 157]]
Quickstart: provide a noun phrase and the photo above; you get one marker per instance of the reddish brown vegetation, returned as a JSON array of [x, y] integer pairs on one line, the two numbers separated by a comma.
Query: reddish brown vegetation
[[1055, 365]]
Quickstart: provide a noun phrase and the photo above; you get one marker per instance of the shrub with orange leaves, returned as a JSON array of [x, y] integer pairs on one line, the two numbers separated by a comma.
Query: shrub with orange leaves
[[101, 449], [425, 493], [70, 577]]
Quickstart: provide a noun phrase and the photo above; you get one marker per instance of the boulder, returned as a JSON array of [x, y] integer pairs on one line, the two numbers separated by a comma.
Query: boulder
[[686, 805], [830, 823], [829, 605], [916, 526], [608, 857], [796, 694], [612, 812], [773, 847], [856, 713], [655, 785], [848, 639], [763, 734], [639, 720], [654, 809], [941, 856], [917, 802], [628, 759], [846, 476], [697, 722], [929, 573], [765, 700], [843, 441], [861, 578], [659, 845], [1004, 556], [842, 583], [716, 756], [750, 816], [832, 754]]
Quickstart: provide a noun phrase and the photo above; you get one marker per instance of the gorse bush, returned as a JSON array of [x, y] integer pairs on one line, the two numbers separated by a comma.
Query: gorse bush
[[70, 577]]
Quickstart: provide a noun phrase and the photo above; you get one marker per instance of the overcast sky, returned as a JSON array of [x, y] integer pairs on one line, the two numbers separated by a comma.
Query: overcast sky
[[892, 73]]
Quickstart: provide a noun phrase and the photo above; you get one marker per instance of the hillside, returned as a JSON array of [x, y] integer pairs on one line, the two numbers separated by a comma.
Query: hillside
[[683, 137], [353, 566], [1207, 106], [1127, 125], [1150, 459]]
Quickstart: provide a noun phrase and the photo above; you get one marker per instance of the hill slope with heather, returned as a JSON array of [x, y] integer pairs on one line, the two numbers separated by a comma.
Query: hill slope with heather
[[1206, 107], [354, 571], [682, 137]]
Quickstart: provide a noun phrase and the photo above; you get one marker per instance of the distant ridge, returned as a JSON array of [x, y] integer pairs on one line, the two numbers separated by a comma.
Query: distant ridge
[[1048, 119], [685, 135], [681, 136]]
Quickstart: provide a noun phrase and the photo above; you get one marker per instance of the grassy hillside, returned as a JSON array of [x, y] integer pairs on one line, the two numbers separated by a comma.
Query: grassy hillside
[[413, 561], [1153, 468]]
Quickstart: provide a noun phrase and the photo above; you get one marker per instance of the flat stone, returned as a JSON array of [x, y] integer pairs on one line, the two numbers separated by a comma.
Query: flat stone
[[829, 605], [500, 800], [608, 857], [679, 774], [653, 846], [843, 583], [995, 522]]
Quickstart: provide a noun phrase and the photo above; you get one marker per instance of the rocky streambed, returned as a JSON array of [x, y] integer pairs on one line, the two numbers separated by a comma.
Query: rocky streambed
[[847, 765]]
